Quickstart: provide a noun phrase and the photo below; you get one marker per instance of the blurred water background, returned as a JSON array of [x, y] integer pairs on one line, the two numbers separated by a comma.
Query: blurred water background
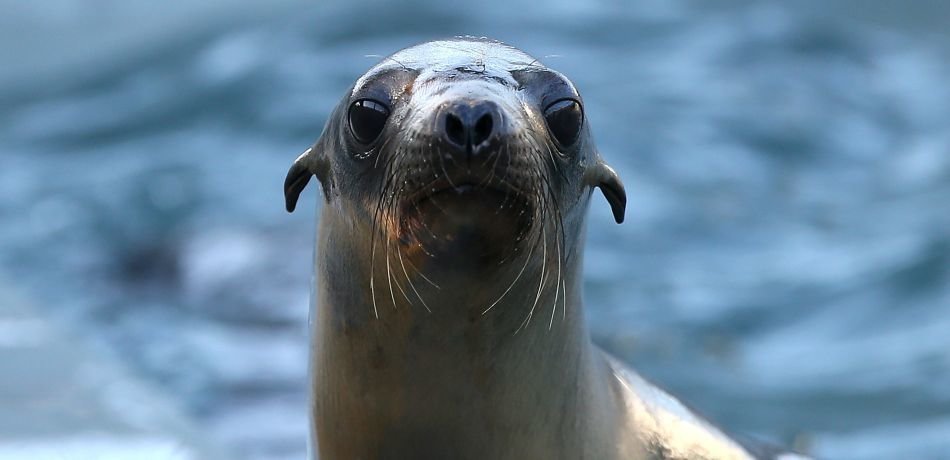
[[784, 267]]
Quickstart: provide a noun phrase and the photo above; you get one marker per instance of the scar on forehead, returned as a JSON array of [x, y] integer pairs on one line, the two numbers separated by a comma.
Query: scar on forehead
[[387, 58]]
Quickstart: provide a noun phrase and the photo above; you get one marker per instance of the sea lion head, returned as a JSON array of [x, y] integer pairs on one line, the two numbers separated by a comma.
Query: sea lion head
[[464, 153]]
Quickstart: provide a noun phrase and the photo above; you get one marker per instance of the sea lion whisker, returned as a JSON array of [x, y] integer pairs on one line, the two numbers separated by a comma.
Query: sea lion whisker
[[546, 153], [544, 260], [399, 287], [389, 275], [550, 201], [502, 180], [395, 198], [562, 251], [548, 148], [435, 202], [491, 173], [404, 295], [424, 277], [557, 281], [373, 237], [559, 222], [372, 288], [504, 201], [378, 156], [517, 277], [490, 158], [538, 211], [411, 284], [508, 188], [424, 225], [382, 202], [415, 238], [564, 300], [392, 199], [412, 233], [448, 178]]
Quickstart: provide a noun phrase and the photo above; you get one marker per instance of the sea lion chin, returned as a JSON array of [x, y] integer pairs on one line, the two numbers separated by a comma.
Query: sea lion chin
[[447, 315]]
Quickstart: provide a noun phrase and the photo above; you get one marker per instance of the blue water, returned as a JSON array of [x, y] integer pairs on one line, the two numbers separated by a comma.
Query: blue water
[[784, 267]]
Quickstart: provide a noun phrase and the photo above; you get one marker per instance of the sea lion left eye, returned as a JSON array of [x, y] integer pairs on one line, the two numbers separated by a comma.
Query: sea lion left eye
[[367, 119], [564, 118]]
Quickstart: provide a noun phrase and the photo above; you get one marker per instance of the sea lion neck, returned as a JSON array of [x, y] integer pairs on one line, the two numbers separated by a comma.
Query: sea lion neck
[[396, 370]]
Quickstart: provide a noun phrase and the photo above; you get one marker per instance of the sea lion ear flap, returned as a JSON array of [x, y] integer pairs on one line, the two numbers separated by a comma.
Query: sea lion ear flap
[[605, 178], [298, 177]]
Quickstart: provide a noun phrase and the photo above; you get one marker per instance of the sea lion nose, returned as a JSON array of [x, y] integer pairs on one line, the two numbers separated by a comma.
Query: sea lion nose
[[468, 127]]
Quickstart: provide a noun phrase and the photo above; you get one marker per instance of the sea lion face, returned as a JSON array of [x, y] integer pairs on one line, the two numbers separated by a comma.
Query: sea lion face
[[466, 148]]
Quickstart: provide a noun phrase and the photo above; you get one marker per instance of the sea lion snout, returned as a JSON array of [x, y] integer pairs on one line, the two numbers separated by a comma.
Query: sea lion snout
[[470, 127]]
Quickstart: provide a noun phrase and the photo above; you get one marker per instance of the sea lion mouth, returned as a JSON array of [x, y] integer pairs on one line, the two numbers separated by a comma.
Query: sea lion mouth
[[467, 216], [447, 190], [452, 188], [468, 198]]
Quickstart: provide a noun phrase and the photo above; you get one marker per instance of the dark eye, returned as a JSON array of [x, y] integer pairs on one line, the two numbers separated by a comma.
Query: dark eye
[[367, 119], [564, 118]]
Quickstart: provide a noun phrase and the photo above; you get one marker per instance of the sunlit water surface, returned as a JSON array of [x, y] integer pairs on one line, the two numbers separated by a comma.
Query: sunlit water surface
[[784, 267]]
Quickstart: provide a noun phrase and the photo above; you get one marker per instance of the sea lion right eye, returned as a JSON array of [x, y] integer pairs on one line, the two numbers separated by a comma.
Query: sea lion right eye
[[564, 118], [367, 118]]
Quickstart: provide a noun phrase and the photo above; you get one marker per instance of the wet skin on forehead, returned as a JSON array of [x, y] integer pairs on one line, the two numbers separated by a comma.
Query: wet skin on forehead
[[418, 66], [493, 60]]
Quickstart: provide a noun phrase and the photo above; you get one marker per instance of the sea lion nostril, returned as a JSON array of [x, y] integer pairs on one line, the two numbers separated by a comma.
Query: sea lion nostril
[[468, 125], [483, 129], [455, 130]]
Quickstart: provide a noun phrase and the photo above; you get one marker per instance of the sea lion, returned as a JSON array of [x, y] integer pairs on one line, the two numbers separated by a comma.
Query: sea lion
[[447, 319]]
